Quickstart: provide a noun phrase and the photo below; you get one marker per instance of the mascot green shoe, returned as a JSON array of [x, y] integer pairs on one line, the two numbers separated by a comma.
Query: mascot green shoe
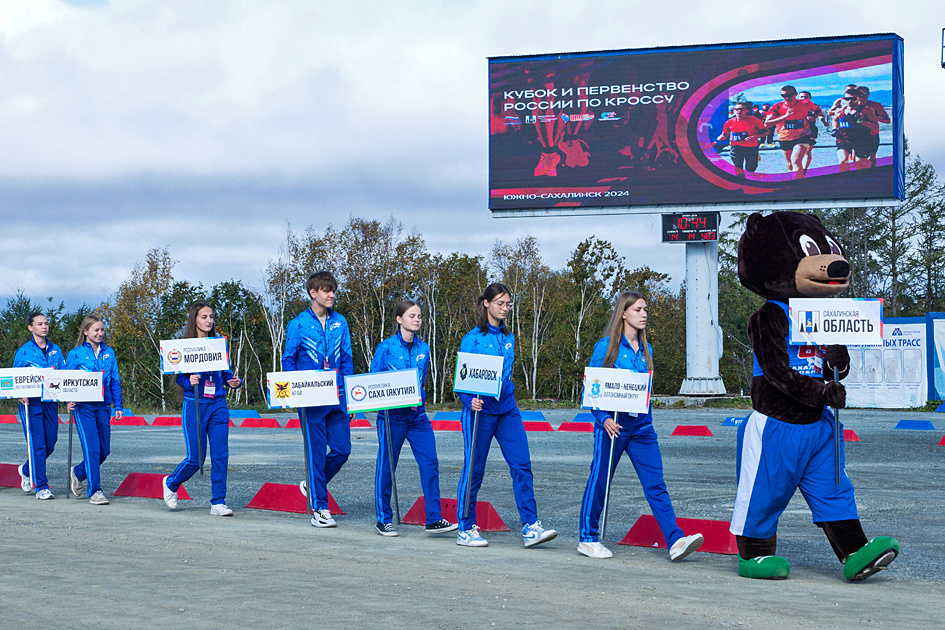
[[764, 568], [872, 558]]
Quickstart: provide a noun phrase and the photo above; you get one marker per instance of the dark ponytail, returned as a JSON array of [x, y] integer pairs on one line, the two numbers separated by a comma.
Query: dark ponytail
[[492, 291]]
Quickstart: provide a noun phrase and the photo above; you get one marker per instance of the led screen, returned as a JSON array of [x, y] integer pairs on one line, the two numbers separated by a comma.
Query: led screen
[[705, 125]]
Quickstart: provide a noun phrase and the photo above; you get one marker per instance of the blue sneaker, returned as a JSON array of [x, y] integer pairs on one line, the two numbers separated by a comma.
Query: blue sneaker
[[470, 538], [535, 534]]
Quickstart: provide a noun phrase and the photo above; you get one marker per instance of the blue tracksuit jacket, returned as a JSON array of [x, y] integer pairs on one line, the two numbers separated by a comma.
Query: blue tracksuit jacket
[[31, 355], [496, 343], [394, 354], [308, 346], [83, 358]]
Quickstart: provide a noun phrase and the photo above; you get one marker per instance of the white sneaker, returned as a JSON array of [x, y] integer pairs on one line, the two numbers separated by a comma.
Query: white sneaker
[[471, 538], [685, 546], [26, 483], [535, 534], [303, 488], [322, 518], [220, 509], [594, 550], [170, 497], [98, 499], [45, 494], [76, 485]]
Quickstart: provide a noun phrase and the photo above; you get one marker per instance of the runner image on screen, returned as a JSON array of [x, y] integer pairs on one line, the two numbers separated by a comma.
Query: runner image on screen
[[854, 123], [790, 120], [812, 117], [743, 132], [881, 117]]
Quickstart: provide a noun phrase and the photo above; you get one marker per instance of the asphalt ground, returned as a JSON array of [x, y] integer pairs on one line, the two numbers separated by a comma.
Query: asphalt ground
[[66, 563]]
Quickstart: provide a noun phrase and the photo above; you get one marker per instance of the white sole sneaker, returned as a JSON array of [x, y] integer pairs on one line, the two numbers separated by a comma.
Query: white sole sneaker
[[322, 518], [76, 483], [594, 550], [170, 497], [685, 546], [471, 538], [45, 494], [386, 529], [26, 485], [220, 509], [98, 499]]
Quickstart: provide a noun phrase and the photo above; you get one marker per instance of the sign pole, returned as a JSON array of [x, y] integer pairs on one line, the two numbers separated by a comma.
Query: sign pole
[[472, 462], [200, 450], [610, 468], [836, 434], [390, 458], [29, 442], [69, 463]]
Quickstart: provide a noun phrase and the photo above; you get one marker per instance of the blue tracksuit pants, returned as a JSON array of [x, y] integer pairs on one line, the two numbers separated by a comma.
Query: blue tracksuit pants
[[43, 432], [509, 432], [215, 422], [419, 433], [328, 427], [93, 423], [639, 443], [776, 458]]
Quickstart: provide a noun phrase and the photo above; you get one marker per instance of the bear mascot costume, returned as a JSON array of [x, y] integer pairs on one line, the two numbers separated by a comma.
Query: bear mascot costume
[[788, 441]]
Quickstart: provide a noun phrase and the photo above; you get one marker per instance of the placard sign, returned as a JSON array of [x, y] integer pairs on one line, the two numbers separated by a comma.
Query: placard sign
[[305, 388], [613, 389], [383, 390], [189, 356], [842, 321], [21, 382], [73, 386], [478, 374]]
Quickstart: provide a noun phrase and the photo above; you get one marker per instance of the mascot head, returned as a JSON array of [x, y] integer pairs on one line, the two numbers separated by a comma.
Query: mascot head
[[789, 254]]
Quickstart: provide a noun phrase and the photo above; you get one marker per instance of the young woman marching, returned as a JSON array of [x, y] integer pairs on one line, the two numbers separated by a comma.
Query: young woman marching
[[43, 421], [499, 418], [208, 388], [404, 351], [93, 419], [626, 348]]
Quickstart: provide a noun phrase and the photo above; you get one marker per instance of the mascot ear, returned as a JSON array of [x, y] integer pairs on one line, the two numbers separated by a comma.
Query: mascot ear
[[752, 223], [815, 218]]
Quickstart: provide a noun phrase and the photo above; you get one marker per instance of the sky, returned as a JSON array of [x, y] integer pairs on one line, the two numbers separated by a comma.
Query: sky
[[209, 127]]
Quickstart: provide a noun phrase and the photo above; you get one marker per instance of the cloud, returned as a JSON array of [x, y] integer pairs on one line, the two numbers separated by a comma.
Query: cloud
[[207, 126]]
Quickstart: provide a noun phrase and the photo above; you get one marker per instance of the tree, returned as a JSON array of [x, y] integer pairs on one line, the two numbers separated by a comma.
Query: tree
[[239, 316], [592, 269], [136, 319]]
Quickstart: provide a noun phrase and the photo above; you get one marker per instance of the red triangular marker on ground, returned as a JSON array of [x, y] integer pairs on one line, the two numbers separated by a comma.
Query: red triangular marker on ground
[[487, 518], [281, 497], [166, 421], [129, 421], [537, 425], [577, 427], [646, 533], [260, 423], [360, 423], [849, 435], [7, 419], [9, 476], [690, 429], [147, 485], [446, 425]]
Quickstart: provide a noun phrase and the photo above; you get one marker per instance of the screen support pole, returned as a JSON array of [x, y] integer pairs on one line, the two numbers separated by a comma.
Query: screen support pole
[[703, 334]]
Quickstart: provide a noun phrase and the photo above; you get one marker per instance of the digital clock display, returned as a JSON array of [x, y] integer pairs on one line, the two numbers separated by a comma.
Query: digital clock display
[[696, 227]]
